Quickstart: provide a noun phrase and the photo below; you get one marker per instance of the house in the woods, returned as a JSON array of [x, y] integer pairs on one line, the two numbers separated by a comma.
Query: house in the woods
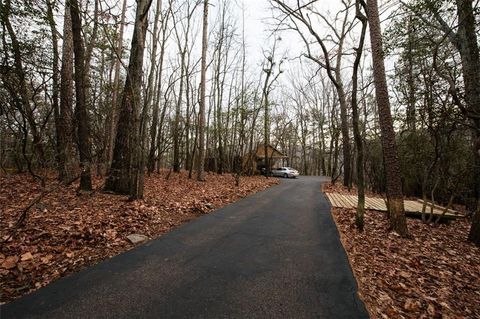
[[254, 162]]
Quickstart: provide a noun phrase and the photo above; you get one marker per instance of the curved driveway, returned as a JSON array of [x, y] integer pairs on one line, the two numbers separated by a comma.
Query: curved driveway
[[275, 254]]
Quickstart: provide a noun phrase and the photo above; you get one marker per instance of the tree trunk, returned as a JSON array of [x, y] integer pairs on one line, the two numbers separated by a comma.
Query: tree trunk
[[126, 173], [266, 125], [88, 54], [55, 104], [347, 153], [183, 51], [81, 114], [201, 111], [397, 218], [176, 123], [219, 83], [359, 219], [113, 115], [65, 130], [411, 120], [465, 40], [469, 52], [150, 91]]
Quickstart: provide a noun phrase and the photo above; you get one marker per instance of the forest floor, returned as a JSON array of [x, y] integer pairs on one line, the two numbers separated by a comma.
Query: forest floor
[[65, 233], [434, 275]]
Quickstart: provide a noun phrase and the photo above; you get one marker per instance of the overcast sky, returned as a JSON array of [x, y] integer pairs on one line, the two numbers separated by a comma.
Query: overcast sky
[[258, 22], [258, 28]]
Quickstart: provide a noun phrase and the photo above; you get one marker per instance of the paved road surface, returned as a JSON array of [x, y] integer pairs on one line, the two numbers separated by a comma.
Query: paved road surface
[[275, 254]]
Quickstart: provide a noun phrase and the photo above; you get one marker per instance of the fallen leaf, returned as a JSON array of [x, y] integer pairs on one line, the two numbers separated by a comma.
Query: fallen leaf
[[46, 259], [79, 231], [10, 262], [26, 256], [436, 274], [411, 305], [445, 305], [431, 309]]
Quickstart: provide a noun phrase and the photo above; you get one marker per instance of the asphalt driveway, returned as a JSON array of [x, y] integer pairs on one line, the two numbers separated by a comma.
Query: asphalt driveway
[[275, 254]]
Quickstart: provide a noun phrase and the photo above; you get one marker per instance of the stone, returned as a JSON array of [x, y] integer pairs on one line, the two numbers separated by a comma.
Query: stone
[[137, 238]]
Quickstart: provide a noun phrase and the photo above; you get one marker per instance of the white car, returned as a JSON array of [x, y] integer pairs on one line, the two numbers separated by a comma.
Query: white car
[[286, 172]]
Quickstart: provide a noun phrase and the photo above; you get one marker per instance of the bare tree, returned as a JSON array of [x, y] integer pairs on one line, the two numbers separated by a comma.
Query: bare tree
[[113, 114], [302, 14], [268, 68], [158, 90], [21, 80]]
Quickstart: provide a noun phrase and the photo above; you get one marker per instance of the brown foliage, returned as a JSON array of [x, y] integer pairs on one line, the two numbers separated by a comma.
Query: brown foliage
[[434, 275], [65, 232]]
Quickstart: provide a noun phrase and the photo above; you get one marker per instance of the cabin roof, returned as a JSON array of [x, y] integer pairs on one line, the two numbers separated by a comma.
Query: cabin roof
[[272, 152]]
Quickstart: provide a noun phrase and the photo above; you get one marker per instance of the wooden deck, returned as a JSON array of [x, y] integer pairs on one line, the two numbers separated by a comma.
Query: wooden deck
[[377, 203]]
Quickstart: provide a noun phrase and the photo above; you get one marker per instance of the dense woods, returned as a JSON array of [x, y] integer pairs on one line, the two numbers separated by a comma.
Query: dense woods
[[120, 89]]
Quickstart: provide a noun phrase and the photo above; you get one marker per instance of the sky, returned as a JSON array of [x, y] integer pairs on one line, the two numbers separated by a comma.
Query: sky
[[258, 24], [258, 28]]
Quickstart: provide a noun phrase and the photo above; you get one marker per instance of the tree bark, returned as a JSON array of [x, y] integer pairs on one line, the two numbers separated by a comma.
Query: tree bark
[[126, 171], [176, 123], [396, 212], [359, 219], [55, 104], [81, 114], [266, 120], [201, 111], [150, 90], [65, 130]]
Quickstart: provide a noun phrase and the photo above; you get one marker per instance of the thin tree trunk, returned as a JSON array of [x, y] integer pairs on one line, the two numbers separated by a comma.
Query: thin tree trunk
[[150, 90], [114, 111], [266, 123], [346, 148], [359, 220], [176, 123], [411, 121], [55, 82], [201, 111]]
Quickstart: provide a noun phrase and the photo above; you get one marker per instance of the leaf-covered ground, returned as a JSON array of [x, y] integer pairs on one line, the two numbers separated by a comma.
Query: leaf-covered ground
[[434, 275], [65, 233]]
